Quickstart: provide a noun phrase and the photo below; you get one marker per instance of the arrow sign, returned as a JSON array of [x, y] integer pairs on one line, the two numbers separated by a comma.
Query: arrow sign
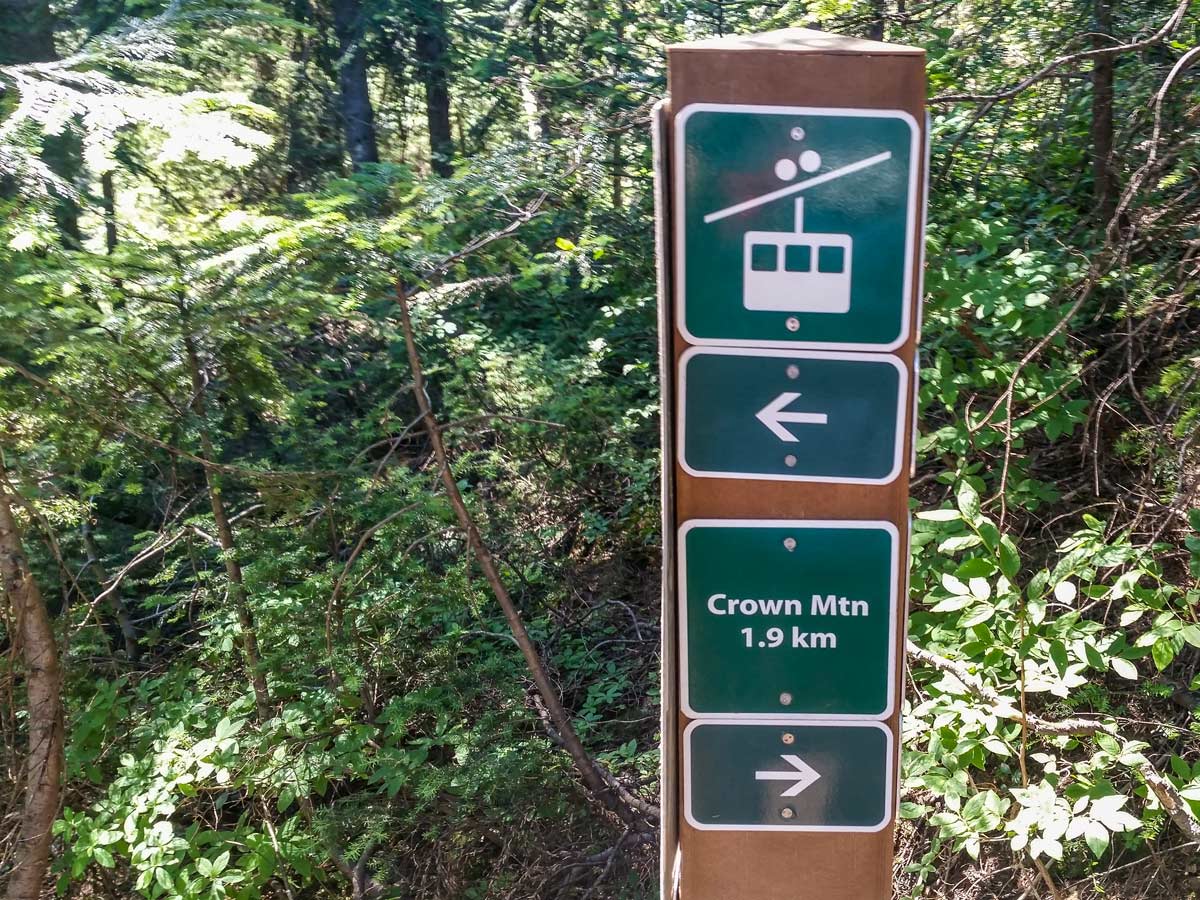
[[732, 780], [772, 415], [803, 775]]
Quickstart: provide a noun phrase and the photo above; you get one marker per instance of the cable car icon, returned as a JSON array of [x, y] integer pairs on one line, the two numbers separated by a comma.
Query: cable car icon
[[797, 270]]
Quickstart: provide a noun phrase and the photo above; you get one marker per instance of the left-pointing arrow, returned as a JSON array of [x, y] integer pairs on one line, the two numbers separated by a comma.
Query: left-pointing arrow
[[802, 774], [773, 416]]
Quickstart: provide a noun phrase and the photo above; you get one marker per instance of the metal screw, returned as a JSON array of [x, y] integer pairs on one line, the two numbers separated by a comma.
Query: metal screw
[[797, 133], [789, 543], [785, 698], [789, 738], [789, 461], [793, 371], [792, 323], [787, 813]]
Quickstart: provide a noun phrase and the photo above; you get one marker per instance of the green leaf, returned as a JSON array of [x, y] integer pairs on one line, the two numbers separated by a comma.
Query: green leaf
[[1164, 651], [954, 586], [1124, 668], [163, 878], [968, 502], [1010, 559], [959, 542], [563, 244], [975, 567], [977, 615], [102, 856], [1096, 836], [940, 515], [1058, 655], [227, 728], [1191, 634], [910, 810]]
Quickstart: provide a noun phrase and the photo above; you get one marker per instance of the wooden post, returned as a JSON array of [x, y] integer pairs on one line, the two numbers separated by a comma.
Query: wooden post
[[791, 171]]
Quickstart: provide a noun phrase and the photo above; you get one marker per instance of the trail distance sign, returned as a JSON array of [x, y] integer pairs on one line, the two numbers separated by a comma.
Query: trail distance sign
[[776, 775], [795, 225], [791, 415], [788, 618]]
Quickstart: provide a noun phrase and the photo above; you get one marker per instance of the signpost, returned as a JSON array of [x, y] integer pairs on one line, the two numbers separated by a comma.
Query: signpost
[[791, 167]]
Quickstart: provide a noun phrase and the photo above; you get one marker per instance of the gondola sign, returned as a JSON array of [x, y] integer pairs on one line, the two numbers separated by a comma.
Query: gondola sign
[[776, 775], [791, 415], [787, 618], [795, 226]]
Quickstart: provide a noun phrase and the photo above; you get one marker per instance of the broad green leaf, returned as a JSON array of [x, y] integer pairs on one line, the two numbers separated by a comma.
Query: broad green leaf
[[940, 515], [1096, 836], [1123, 667], [1010, 559], [968, 503]]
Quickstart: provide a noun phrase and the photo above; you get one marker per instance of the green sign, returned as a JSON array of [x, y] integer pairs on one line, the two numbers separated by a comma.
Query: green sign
[[791, 415], [775, 775], [795, 226], [793, 618]]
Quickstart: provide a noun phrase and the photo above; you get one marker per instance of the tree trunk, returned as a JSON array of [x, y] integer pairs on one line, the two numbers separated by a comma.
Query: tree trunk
[[1102, 114], [26, 32], [537, 34], [618, 157], [876, 28], [433, 59], [358, 116], [116, 603], [109, 197], [34, 635], [233, 568]]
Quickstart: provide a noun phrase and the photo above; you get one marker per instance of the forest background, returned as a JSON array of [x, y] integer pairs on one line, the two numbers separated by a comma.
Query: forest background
[[329, 525]]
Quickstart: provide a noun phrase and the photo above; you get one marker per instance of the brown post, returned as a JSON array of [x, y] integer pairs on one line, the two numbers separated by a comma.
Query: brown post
[[757, 315]]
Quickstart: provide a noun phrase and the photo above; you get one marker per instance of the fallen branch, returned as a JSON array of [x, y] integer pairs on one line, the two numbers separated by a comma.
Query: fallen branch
[[1171, 800]]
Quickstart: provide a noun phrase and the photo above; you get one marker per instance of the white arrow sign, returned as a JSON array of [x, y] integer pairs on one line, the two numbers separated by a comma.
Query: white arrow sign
[[772, 415], [803, 775]]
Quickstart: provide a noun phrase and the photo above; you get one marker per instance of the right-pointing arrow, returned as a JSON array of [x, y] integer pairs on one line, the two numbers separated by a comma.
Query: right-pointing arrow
[[772, 415], [803, 775]]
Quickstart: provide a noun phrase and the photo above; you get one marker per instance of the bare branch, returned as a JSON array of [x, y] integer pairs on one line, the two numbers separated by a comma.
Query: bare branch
[[1168, 28], [602, 785]]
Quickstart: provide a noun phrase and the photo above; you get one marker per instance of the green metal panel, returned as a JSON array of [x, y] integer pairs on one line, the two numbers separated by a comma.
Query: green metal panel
[[791, 414], [773, 775], [741, 171], [788, 618]]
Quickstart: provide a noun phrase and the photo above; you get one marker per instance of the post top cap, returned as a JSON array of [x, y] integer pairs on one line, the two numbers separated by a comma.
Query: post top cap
[[804, 40]]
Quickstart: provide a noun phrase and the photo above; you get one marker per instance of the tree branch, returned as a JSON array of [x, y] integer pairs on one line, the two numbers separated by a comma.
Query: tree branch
[[1169, 27], [602, 785]]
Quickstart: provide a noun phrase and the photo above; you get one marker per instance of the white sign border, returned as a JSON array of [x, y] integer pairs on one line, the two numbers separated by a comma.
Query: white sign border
[[799, 524], [680, 204], [681, 411], [888, 810]]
